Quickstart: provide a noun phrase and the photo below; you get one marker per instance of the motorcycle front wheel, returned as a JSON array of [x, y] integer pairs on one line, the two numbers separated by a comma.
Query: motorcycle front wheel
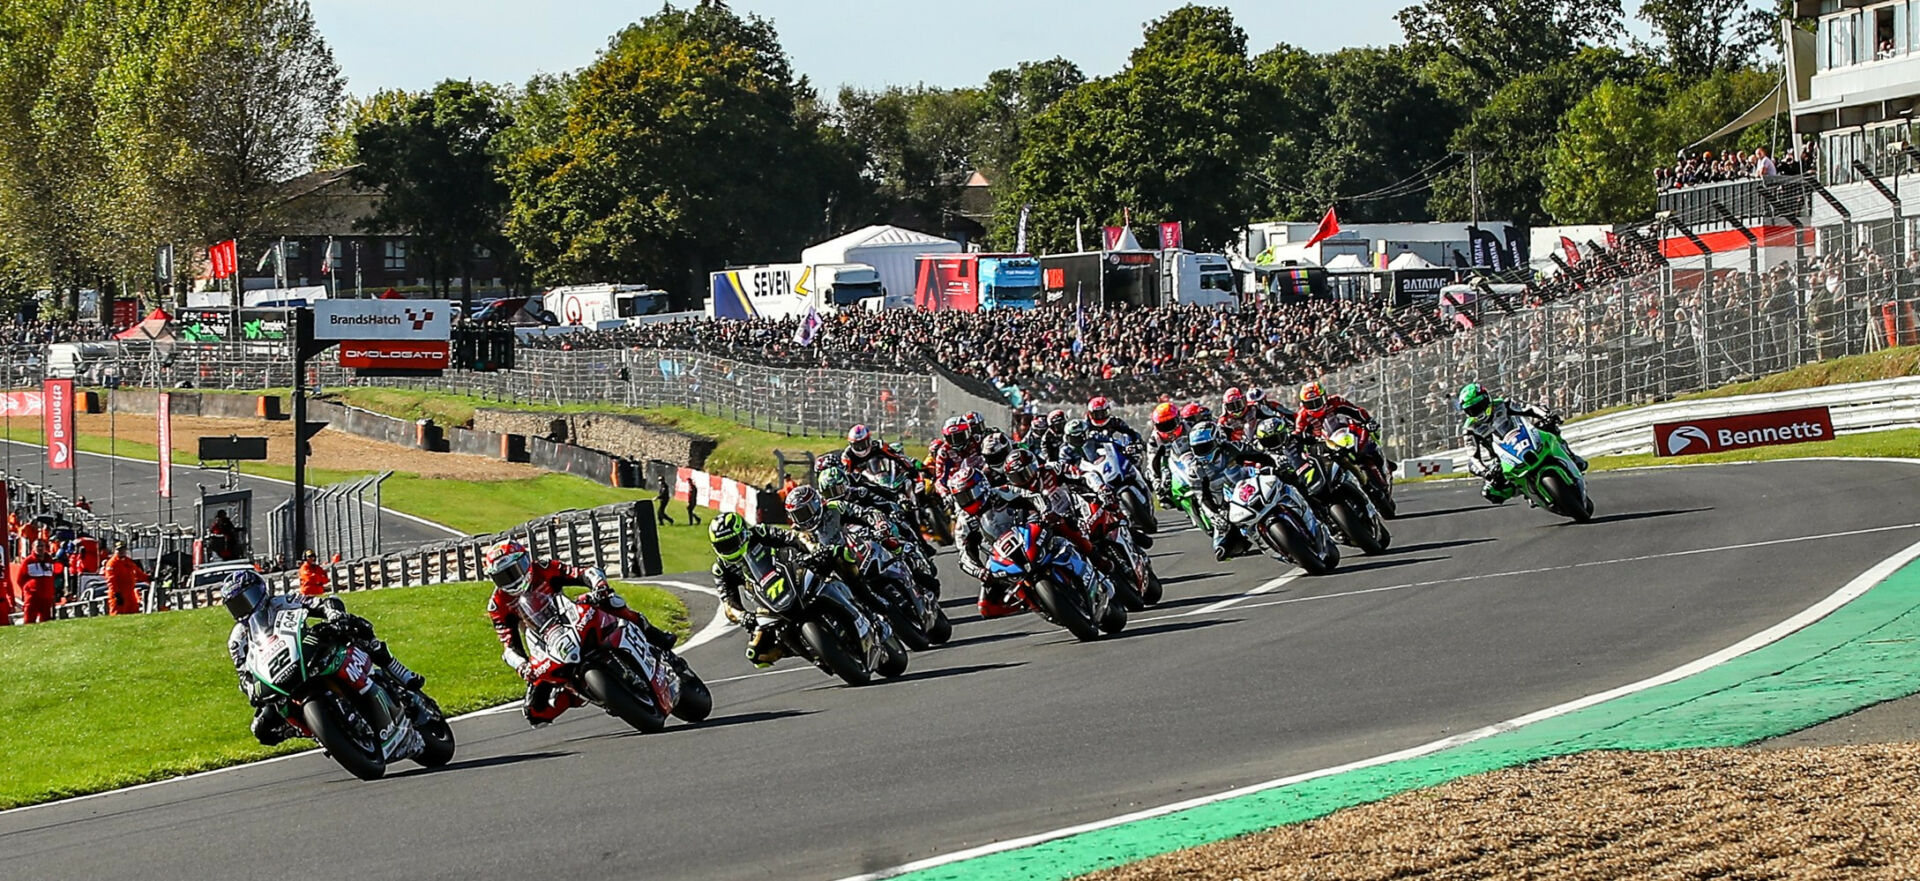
[[1064, 610], [362, 760], [1359, 529], [1294, 546], [612, 693], [826, 646]]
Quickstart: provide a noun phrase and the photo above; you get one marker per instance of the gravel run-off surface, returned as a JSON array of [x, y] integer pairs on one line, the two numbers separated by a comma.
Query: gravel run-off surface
[[1834, 812], [332, 450]]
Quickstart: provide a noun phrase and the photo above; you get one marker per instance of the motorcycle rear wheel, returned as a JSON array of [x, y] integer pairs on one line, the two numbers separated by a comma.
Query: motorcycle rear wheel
[[612, 693], [826, 646], [437, 737], [1064, 610], [330, 728], [942, 627]]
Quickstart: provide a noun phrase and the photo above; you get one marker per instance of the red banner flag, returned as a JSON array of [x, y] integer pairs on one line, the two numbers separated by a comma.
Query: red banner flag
[[56, 396], [166, 445], [1170, 235], [1572, 250], [1110, 238], [1329, 227], [225, 258]]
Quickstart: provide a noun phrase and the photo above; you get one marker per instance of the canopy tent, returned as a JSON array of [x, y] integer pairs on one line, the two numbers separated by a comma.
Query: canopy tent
[[1410, 260], [158, 325], [1127, 241], [1769, 107], [1347, 263]]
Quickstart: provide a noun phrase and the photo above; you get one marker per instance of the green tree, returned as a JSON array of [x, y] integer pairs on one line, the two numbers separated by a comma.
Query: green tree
[[1192, 28], [1601, 166], [1293, 107], [337, 148], [538, 111], [434, 166], [1473, 47], [1371, 161], [1695, 38], [679, 155], [917, 145]]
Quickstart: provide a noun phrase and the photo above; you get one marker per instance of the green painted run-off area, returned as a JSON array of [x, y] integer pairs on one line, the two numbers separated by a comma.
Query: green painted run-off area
[[1866, 652]]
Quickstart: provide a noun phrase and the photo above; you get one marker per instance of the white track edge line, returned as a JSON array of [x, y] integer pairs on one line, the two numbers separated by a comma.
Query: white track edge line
[[1847, 593]]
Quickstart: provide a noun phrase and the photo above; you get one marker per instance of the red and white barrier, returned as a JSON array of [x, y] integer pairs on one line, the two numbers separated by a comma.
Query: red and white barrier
[[718, 493]]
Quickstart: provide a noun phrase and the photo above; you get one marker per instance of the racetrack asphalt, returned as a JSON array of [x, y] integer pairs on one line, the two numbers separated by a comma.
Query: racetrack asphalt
[[1478, 614]]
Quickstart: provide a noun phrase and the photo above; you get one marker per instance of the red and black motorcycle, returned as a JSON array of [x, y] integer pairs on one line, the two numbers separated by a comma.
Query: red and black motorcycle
[[608, 661]]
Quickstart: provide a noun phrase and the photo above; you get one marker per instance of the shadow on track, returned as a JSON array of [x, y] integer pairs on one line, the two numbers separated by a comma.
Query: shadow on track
[[1196, 576], [945, 672], [734, 719], [1442, 512], [1640, 515], [1171, 627], [986, 637], [488, 762], [1380, 563], [1437, 545]]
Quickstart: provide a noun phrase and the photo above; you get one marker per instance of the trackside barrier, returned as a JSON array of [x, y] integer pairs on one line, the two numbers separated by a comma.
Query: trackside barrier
[[719, 493], [1879, 405], [618, 538]]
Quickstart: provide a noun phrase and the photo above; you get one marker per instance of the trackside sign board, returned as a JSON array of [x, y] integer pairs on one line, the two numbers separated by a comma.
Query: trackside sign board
[[382, 320], [1694, 436]]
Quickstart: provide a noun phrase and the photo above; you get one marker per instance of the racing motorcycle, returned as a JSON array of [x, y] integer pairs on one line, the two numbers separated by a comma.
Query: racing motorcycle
[[610, 662], [1263, 507], [1339, 499], [1534, 459], [907, 593], [1182, 477], [818, 618], [1136, 584], [1045, 574], [1107, 460], [1346, 443], [362, 717], [923, 507]]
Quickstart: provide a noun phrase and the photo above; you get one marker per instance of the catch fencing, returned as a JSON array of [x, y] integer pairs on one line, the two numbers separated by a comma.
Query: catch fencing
[[342, 519], [165, 550]]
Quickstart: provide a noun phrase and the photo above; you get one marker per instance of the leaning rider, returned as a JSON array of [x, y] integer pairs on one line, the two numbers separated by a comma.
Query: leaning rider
[[1317, 407], [733, 538], [976, 499], [1485, 413], [833, 528], [527, 592], [1101, 421], [253, 604], [1218, 461]]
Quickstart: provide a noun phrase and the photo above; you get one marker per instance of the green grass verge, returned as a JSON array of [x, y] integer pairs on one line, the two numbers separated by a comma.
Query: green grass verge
[[101, 703], [1886, 364]]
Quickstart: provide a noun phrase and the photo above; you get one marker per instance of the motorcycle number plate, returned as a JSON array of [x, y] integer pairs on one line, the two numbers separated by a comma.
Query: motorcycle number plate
[[1009, 546], [289, 619], [1246, 493]]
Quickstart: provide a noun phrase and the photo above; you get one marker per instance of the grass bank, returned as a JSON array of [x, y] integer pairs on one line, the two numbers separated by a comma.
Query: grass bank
[[101, 703], [1886, 364]]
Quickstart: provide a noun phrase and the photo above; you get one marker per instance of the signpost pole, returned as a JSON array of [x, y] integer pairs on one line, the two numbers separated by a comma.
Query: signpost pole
[[302, 342]]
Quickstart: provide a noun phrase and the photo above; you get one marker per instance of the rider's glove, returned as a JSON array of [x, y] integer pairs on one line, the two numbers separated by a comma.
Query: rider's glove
[[525, 669]]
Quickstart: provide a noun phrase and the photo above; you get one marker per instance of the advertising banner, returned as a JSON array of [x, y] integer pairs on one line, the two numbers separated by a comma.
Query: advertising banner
[[382, 320], [1170, 235], [57, 395], [265, 325], [204, 325], [396, 354], [166, 445], [1694, 436], [20, 404]]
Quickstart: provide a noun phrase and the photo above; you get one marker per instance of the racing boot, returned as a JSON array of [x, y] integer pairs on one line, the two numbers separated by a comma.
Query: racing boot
[[377, 650], [270, 727], [763, 649]]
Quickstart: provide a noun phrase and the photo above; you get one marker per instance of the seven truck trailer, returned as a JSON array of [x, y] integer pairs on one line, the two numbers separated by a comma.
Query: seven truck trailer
[[786, 290]]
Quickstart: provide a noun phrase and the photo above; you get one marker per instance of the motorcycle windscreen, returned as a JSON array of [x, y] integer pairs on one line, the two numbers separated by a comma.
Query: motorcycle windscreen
[[1246, 504]]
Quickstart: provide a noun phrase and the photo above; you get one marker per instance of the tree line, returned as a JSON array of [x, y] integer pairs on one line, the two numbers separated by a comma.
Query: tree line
[[690, 143]]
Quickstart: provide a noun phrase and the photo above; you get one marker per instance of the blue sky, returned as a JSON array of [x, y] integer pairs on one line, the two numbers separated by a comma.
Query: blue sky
[[416, 43]]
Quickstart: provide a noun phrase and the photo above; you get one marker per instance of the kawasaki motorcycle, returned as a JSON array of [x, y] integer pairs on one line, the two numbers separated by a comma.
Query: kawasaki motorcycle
[[1534, 460], [337, 695], [818, 618]]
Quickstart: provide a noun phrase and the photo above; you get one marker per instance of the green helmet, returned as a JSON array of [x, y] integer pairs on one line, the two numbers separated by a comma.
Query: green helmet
[[833, 482], [728, 532], [1474, 400]]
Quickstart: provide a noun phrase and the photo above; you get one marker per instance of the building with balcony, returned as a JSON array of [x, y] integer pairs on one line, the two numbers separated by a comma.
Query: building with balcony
[[1854, 83]]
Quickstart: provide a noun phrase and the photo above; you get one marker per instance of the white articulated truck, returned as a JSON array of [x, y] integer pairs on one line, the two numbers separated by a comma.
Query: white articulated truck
[[786, 290]]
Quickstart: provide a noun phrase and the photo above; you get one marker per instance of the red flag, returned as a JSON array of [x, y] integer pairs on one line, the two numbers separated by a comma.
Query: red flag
[[225, 258], [57, 421], [1170, 234], [1110, 238], [1573, 250], [1329, 227]]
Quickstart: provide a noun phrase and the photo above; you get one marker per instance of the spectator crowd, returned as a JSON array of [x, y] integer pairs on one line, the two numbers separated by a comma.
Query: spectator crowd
[[1707, 168]]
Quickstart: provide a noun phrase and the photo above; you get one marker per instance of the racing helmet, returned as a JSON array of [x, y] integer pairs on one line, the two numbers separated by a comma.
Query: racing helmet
[[859, 441], [1099, 410], [832, 482], [1271, 433], [507, 565], [1057, 420], [1020, 469], [1076, 433], [243, 592], [806, 510], [728, 533], [1474, 400], [958, 433], [994, 449], [1204, 440], [1234, 402], [968, 489], [1312, 396], [1256, 396]]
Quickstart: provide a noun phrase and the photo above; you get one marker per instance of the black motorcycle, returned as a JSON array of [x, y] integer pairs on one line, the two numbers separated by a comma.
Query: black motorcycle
[[818, 618]]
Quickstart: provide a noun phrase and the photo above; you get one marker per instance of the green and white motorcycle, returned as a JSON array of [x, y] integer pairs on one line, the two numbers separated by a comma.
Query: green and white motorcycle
[[1535, 461]]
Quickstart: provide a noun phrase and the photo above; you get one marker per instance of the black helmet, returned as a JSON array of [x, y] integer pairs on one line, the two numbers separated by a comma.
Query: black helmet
[[245, 590]]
